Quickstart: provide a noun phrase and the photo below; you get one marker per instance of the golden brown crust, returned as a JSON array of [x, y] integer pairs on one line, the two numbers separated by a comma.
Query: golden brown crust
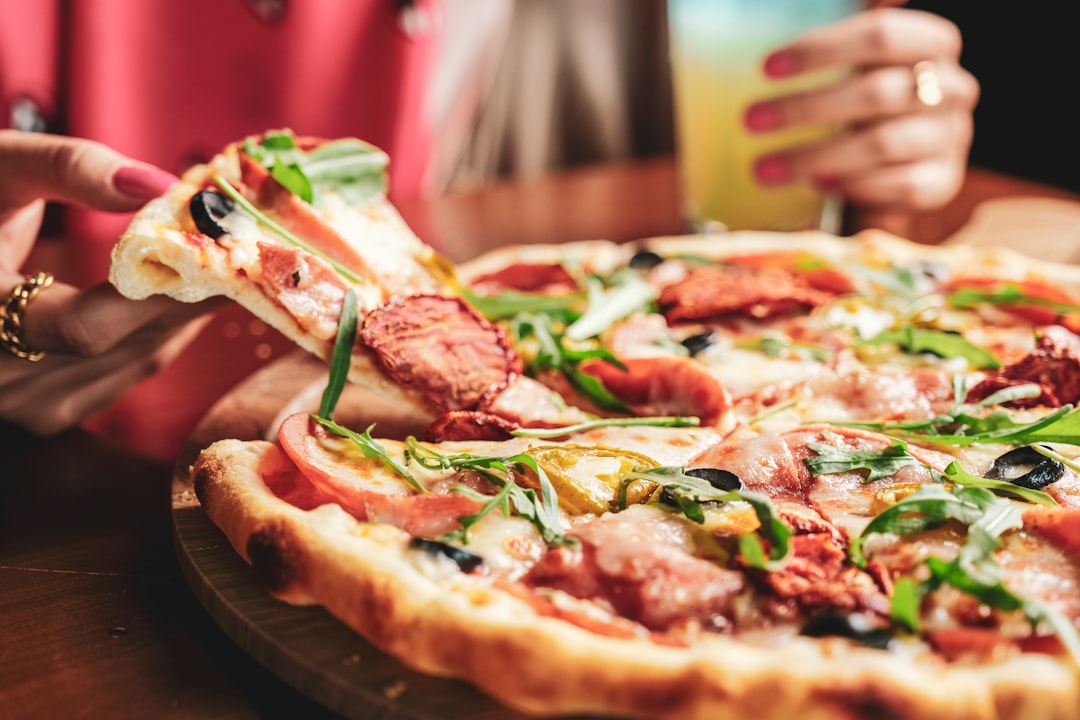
[[431, 616], [868, 246]]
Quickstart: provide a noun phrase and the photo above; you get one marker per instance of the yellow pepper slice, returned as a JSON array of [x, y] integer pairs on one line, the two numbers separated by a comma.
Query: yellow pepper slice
[[586, 477]]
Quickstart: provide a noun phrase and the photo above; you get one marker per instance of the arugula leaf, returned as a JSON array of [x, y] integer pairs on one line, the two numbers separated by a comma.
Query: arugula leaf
[[293, 178], [928, 507], [505, 306], [1039, 614], [886, 463], [537, 316], [962, 426], [688, 492], [775, 346], [974, 571], [542, 511], [878, 463], [370, 447], [1008, 294], [276, 140], [555, 354], [898, 281], [956, 474], [937, 342], [1061, 426], [905, 604], [342, 355], [289, 237], [657, 421], [354, 169], [630, 294]]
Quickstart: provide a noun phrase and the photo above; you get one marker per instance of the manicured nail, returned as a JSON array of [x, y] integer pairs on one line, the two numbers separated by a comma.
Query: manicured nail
[[762, 116], [780, 64], [772, 170], [143, 181]]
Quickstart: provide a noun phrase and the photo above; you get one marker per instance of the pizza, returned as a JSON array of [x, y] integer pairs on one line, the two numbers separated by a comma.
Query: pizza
[[767, 475]]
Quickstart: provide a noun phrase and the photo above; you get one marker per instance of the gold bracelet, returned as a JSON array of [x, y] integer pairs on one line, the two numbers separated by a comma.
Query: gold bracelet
[[11, 315]]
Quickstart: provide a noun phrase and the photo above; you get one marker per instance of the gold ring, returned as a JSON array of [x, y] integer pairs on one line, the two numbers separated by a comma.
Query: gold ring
[[927, 84], [11, 315]]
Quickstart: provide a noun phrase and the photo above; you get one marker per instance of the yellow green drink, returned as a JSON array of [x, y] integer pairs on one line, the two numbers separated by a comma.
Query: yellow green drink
[[717, 50]]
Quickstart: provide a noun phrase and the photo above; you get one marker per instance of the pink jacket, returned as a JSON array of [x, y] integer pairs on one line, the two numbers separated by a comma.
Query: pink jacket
[[172, 81]]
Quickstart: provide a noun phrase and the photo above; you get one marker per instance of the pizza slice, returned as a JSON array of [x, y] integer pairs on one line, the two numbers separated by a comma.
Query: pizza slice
[[286, 227]]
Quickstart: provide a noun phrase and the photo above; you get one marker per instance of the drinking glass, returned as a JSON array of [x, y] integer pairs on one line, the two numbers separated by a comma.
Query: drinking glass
[[717, 49]]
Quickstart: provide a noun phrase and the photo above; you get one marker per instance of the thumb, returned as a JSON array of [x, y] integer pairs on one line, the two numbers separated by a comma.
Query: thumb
[[74, 170]]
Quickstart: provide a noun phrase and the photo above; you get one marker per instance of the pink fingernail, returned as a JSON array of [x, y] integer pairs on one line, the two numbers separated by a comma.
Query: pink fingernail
[[780, 64], [143, 181], [761, 117], [772, 170]]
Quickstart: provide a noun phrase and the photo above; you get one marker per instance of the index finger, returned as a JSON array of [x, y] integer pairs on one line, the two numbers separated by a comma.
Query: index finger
[[40, 166], [884, 36]]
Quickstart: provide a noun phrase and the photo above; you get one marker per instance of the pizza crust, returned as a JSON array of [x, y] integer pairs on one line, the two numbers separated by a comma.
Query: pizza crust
[[434, 618], [868, 246]]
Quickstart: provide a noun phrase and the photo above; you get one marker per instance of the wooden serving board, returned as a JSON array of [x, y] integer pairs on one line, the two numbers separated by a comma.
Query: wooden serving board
[[304, 646]]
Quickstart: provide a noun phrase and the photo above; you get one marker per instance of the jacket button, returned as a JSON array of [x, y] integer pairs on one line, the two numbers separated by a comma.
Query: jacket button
[[24, 115]]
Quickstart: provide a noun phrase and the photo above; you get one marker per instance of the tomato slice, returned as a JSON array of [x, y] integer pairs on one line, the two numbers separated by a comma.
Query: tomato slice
[[365, 487]]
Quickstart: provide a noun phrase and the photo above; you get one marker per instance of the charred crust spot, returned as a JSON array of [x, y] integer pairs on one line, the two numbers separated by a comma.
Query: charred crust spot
[[200, 478], [276, 557]]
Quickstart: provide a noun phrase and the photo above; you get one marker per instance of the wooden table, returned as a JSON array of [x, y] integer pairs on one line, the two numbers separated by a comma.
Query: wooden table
[[97, 620]]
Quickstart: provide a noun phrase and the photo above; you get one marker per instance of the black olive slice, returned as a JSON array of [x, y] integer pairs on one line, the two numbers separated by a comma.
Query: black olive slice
[[645, 260], [207, 207], [465, 560], [719, 479], [852, 627], [1026, 467], [699, 343]]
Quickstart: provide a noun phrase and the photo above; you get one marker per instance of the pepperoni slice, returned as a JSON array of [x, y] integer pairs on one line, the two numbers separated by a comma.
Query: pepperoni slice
[[441, 347], [714, 292], [813, 270], [469, 425], [534, 277], [1054, 365]]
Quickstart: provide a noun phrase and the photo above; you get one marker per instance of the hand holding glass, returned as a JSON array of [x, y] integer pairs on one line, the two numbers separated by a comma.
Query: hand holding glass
[[717, 50]]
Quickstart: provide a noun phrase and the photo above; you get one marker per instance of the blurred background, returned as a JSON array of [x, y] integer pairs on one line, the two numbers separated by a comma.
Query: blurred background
[[584, 81]]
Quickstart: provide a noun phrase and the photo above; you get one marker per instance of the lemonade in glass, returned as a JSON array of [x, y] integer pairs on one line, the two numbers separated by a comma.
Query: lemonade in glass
[[717, 49]]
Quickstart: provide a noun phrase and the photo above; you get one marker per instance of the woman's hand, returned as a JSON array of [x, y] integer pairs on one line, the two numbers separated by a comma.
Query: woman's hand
[[97, 344], [907, 148]]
